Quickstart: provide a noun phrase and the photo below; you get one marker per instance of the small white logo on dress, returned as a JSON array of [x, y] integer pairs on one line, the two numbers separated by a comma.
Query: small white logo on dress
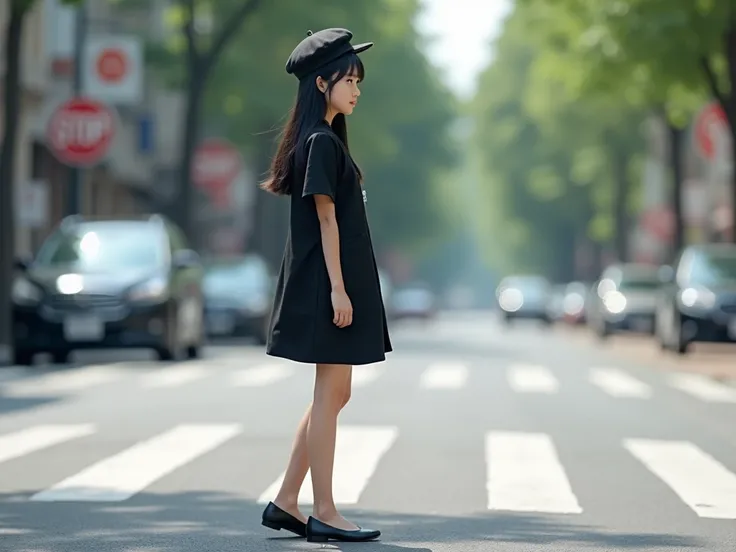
[[365, 198]]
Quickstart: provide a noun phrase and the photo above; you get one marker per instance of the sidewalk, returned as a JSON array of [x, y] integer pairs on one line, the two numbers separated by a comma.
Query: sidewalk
[[717, 361]]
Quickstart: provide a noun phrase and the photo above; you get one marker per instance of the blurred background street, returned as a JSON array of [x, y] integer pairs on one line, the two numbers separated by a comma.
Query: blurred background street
[[550, 189]]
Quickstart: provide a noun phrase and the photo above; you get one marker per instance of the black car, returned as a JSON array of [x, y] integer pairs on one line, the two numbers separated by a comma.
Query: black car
[[699, 298], [238, 295], [98, 284]]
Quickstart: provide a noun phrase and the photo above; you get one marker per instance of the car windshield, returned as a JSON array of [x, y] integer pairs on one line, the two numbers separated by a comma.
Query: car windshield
[[234, 278], [644, 284], [102, 248], [715, 269]]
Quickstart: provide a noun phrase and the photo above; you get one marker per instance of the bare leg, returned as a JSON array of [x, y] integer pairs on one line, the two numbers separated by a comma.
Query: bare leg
[[288, 496], [329, 395]]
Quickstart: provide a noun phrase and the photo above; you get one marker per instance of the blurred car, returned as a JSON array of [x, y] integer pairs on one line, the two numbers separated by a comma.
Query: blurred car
[[698, 302], [238, 296], [525, 297], [574, 302], [625, 298], [556, 304], [414, 300], [98, 284]]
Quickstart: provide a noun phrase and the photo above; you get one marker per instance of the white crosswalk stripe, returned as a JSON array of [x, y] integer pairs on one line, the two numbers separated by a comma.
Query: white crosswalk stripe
[[703, 388], [365, 375], [444, 376], [701, 482], [121, 476], [19, 443], [261, 375], [523, 470], [358, 451], [531, 378], [63, 382], [618, 383], [175, 376], [524, 474]]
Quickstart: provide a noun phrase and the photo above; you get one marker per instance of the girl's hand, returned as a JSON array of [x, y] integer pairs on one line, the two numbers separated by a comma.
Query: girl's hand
[[342, 307]]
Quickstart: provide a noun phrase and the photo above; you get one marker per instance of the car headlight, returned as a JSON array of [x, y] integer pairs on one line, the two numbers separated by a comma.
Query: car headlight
[[698, 298], [25, 293], [511, 300], [256, 303], [155, 289], [615, 302]]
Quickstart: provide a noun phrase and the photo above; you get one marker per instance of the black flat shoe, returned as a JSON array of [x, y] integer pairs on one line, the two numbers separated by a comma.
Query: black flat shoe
[[275, 518], [321, 532]]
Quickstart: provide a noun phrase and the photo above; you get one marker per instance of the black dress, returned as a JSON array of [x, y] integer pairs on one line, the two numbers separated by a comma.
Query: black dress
[[301, 327]]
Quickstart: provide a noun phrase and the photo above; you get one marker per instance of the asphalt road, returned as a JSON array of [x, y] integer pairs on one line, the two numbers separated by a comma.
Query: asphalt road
[[471, 437]]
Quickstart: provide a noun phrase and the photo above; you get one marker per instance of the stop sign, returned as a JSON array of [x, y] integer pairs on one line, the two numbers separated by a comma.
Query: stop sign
[[215, 165], [81, 131], [710, 130]]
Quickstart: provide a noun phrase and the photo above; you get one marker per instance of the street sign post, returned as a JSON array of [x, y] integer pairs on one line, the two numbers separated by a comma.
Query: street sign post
[[216, 164], [81, 131], [710, 131]]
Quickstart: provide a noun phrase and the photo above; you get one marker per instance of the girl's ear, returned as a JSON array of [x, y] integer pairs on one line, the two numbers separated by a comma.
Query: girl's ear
[[321, 84]]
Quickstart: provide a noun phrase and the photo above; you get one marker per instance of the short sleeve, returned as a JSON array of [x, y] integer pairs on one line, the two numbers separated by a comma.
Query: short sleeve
[[321, 172]]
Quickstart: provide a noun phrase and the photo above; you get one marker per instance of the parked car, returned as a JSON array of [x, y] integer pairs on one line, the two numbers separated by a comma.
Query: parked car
[[525, 297], [625, 299], [412, 300], [238, 297], [698, 303], [97, 284]]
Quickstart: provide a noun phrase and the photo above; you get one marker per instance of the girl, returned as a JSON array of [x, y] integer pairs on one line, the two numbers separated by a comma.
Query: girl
[[328, 308]]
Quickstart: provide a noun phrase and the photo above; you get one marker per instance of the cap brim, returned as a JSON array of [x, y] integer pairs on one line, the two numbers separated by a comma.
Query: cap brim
[[362, 47]]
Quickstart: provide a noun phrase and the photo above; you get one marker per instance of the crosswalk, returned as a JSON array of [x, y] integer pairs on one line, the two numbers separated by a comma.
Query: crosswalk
[[523, 470], [435, 376]]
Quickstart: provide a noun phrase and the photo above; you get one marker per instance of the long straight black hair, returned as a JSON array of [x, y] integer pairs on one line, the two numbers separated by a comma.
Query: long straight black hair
[[308, 111]]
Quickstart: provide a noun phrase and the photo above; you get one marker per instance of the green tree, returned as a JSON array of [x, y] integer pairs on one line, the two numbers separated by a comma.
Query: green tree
[[205, 30], [399, 134], [668, 55], [18, 10], [558, 170]]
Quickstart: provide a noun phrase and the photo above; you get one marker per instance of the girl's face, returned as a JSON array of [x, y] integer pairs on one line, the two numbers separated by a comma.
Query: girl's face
[[344, 95]]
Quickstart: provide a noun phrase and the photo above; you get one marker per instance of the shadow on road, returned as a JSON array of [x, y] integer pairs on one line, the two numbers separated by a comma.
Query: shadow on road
[[198, 521]]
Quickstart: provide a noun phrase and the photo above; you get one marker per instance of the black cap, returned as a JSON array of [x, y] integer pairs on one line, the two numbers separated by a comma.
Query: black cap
[[321, 48]]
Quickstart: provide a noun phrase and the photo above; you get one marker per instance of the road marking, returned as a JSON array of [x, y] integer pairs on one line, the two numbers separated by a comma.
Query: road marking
[[365, 375], [530, 378], [63, 381], [524, 474], [618, 383], [262, 375], [26, 441], [176, 375], [701, 482], [358, 451], [444, 376], [703, 388], [121, 476]]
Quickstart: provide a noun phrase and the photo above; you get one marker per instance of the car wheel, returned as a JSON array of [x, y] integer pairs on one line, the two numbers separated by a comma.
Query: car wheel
[[60, 356], [194, 351], [23, 357]]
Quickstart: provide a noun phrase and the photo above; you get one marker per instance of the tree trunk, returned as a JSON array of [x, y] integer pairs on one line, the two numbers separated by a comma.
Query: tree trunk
[[184, 209], [12, 101], [676, 162], [620, 163]]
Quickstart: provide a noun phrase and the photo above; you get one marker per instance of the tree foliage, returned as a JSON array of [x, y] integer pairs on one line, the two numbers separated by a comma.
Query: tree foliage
[[398, 134], [558, 165]]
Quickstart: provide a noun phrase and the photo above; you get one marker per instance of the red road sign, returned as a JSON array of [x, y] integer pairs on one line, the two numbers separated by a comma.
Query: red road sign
[[81, 131], [112, 65], [711, 126], [215, 165]]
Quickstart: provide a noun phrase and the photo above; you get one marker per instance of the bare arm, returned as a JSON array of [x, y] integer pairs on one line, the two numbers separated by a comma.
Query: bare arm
[[341, 305], [330, 239]]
